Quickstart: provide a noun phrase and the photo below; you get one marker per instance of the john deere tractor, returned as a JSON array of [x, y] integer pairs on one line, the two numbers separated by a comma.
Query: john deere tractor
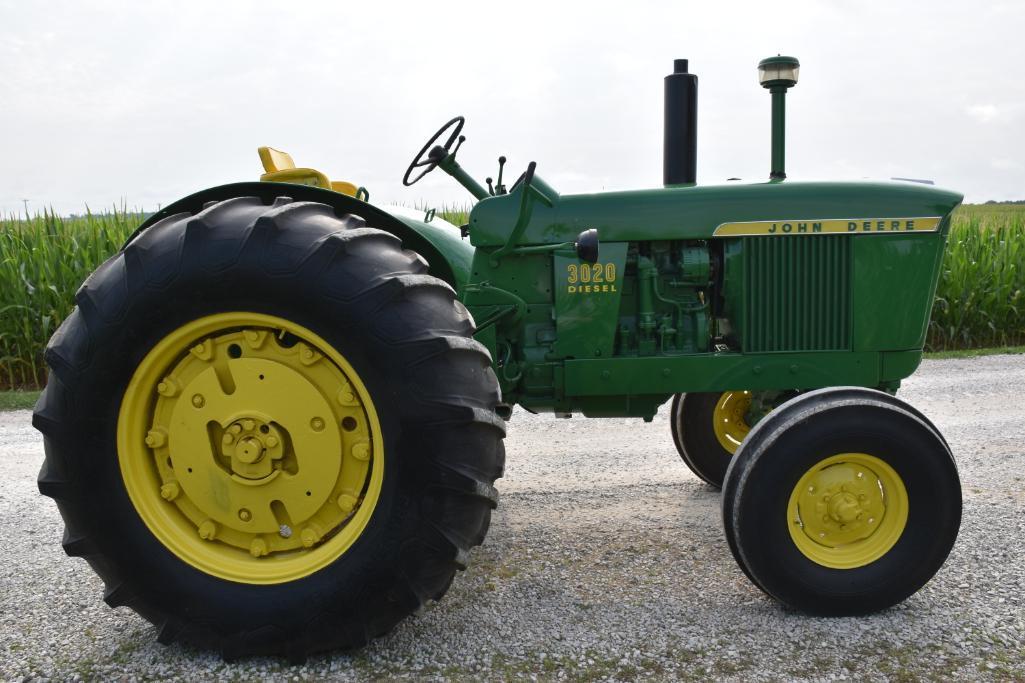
[[274, 419]]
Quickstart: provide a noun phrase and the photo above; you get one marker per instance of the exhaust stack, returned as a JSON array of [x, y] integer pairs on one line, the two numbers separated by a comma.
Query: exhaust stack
[[680, 136]]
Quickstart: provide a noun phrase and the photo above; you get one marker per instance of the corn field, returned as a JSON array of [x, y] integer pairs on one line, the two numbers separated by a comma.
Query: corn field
[[43, 260]]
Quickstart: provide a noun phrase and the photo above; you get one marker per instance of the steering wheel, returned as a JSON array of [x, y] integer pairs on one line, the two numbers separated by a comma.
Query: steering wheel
[[428, 161]]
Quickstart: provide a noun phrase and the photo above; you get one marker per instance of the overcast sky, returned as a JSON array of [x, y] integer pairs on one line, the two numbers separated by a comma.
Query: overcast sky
[[104, 102]]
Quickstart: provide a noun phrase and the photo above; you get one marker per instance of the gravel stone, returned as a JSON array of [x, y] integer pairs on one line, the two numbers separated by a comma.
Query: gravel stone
[[605, 561]]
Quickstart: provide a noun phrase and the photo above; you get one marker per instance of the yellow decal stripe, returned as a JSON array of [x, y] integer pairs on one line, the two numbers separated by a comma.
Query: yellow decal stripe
[[849, 226]]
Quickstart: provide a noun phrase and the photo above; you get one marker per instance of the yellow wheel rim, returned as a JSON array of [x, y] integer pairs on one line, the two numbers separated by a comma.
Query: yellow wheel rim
[[729, 421], [250, 448], [847, 511]]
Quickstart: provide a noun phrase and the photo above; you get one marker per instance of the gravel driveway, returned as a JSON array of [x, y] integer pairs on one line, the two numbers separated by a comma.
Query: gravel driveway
[[605, 560]]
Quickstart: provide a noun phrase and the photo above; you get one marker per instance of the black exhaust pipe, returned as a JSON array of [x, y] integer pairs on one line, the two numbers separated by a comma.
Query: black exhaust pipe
[[680, 137]]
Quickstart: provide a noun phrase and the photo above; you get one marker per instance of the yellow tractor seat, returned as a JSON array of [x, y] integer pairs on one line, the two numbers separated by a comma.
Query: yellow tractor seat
[[280, 168]]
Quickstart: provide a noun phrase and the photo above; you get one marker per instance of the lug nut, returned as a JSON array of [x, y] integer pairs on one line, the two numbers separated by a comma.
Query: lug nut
[[248, 425], [198, 401], [361, 450], [207, 530], [167, 387], [170, 491], [285, 531], [317, 424], [227, 439], [155, 438], [346, 396], [346, 502], [272, 441], [309, 537], [203, 351], [245, 515], [255, 337], [258, 548]]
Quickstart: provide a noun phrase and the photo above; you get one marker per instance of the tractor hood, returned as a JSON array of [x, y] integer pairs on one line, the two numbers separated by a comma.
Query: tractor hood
[[694, 212]]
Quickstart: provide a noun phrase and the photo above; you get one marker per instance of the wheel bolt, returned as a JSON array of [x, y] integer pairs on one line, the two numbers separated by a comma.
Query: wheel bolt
[[346, 396], [361, 451], [207, 530], [309, 537], [285, 531], [198, 401], [245, 515], [272, 441], [170, 491], [258, 548], [167, 387], [346, 502], [248, 425], [317, 424], [227, 438]]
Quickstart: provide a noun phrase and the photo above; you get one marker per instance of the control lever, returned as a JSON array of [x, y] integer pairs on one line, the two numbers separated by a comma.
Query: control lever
[[459, 143], [499, 187]]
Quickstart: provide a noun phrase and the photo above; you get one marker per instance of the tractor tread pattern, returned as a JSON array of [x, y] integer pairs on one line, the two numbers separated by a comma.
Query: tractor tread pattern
[[369, 280]]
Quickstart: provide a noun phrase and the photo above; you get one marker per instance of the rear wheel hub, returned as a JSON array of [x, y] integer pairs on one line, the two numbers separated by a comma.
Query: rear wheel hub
[[259, 442]]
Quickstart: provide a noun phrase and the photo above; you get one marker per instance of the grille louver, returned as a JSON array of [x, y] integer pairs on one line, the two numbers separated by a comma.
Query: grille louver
[[798, 294]]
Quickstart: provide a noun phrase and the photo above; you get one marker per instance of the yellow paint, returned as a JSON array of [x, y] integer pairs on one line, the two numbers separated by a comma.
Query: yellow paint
[[847, 511], [833, 226], [275, 160], [280, 168], [591, 278], [242, 454], [729, 421]]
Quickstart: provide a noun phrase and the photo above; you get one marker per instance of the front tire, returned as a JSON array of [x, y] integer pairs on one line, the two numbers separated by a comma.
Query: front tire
[[281, 367], [842, 502]]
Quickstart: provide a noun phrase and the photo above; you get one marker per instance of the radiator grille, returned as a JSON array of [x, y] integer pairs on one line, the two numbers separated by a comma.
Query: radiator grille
[[798, 293]]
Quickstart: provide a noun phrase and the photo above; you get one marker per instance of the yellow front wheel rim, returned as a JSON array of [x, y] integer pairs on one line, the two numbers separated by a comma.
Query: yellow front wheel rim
[[847, 511], [250, 448], [729, 419]]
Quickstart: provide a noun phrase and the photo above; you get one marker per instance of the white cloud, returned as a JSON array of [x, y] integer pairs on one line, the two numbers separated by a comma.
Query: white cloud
[[993, 113]]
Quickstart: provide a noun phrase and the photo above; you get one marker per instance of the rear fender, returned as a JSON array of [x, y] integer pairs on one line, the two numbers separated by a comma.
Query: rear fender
[[448, 256]]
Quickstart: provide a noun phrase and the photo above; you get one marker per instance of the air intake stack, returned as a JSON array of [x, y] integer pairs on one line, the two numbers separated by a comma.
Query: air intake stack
[[680, 137]]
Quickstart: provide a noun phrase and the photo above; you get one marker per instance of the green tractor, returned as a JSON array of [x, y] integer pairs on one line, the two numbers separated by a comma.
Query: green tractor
[[275, 417]]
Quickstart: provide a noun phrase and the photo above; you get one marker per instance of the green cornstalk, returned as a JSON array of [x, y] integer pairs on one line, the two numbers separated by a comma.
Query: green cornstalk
[[43, 261]]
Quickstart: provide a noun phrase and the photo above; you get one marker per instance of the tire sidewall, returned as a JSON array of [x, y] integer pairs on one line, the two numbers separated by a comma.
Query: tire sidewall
[[694, 434]]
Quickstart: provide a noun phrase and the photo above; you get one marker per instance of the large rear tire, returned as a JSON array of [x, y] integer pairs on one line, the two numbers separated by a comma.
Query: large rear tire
[[269, 430], [842, 502]]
